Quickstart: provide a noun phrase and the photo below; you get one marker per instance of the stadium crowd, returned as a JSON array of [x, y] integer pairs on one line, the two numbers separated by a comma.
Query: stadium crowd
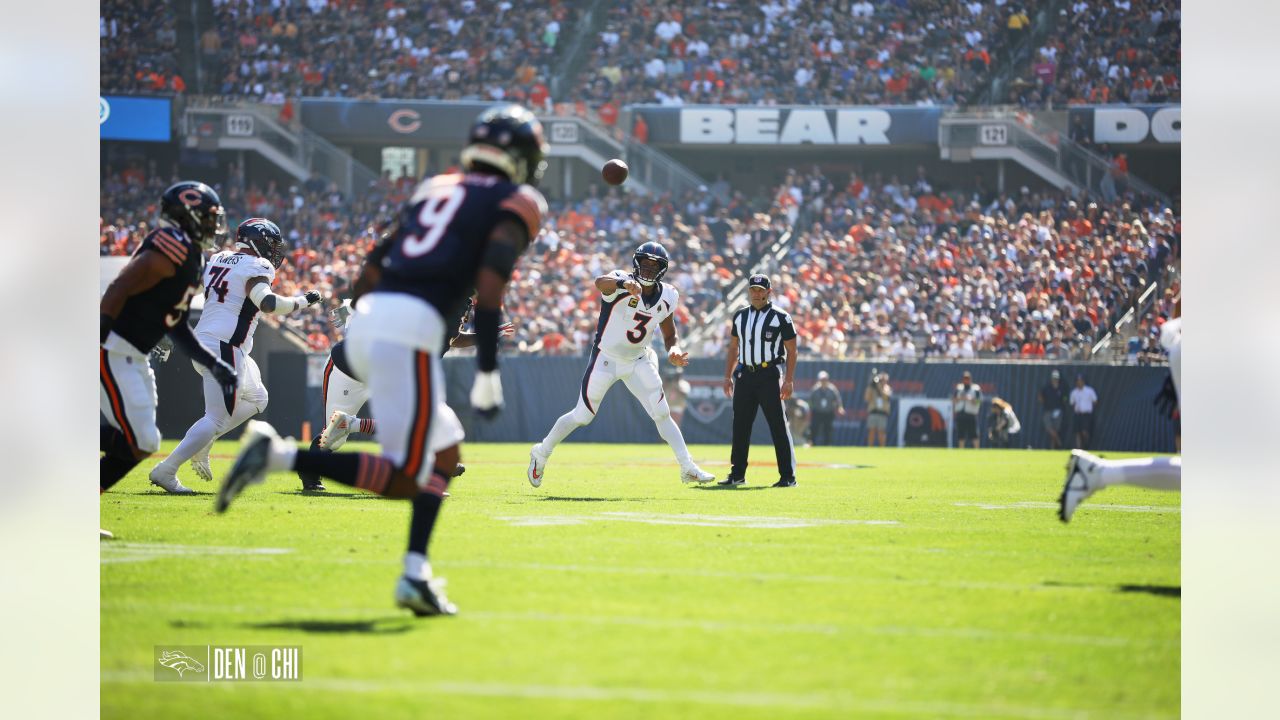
[[876, 268], [474, 49], [137, 47], [1119, 51], [927, 52]]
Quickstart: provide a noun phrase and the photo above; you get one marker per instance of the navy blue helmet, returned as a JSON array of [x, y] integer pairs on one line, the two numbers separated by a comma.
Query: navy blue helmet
[[650, 251], [508, 138], [263, 237], [197, 210]]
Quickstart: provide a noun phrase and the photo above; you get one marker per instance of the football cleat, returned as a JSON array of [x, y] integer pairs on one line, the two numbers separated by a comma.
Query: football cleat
[[424, 597], [537, 465], [731, 481], [1082, 481], [457, 472], [250, 467], [335, 433], [785, 482], [695, 474], [200, 466], [104, 534], [169, 483]]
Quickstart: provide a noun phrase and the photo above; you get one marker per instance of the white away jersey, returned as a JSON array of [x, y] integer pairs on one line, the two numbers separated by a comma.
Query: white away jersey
[[229, 315], [627, 324]]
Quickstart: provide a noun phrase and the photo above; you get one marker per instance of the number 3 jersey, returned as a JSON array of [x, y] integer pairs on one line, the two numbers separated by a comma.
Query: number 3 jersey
[[229, 315], [627, 323], [151, 314], [444, 233]]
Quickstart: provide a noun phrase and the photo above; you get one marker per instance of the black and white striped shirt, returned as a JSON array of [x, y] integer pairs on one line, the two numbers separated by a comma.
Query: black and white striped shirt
[[761, 333]]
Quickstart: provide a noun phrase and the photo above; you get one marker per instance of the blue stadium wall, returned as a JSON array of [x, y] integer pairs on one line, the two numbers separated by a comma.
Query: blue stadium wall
[[539, 389]]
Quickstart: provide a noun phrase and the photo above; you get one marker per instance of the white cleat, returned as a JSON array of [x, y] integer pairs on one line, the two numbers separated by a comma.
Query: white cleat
[[169, 483], [335, 433], [537, 465], [200, 466], [1082, 481], [258, 443], [695, 474], [104, 534]]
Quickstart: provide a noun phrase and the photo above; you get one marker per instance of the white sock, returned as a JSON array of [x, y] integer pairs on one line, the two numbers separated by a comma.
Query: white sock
[[1160, 473], [416, 566], [564, 425], [198, 436], [670, 432]]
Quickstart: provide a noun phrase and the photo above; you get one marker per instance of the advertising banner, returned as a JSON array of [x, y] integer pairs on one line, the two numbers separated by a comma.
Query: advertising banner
[[391, 122], [1131, 124], [134, 118], [709, 125]]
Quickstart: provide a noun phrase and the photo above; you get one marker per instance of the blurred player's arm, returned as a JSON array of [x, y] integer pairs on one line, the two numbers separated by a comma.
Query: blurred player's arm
[[139, 275], [675, 355], [465, 339], [258, 290], [507, 240]]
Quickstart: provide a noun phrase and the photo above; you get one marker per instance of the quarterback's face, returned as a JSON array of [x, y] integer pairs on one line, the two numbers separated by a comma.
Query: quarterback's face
[[649, 268]]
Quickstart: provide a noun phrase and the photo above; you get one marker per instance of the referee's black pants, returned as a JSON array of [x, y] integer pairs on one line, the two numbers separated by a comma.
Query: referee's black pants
[[759, 389]]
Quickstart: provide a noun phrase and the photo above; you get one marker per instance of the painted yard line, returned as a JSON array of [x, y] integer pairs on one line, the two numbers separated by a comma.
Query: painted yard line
[[119, 552], [1037, 505], [839, 701], [772, 523]]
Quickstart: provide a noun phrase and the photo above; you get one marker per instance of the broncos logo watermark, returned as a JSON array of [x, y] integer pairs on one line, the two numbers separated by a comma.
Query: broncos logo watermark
[[180, 661]]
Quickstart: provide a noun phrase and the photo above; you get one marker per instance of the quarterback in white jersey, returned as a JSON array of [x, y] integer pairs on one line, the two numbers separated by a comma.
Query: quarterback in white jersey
[[237, 285], [1087, 474], [632, 307]]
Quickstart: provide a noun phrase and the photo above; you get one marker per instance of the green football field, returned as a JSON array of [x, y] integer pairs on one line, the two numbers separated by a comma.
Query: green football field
[[888, 584]]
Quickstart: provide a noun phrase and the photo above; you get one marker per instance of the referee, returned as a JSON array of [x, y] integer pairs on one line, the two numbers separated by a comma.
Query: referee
[[762, 339]]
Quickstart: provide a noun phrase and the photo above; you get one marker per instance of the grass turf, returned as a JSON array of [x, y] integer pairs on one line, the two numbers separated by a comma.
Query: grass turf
[[889, 583]]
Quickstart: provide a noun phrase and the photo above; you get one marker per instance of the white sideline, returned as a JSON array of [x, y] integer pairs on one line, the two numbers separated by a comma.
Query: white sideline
[[118, 552], [739, 521], [840, 701]]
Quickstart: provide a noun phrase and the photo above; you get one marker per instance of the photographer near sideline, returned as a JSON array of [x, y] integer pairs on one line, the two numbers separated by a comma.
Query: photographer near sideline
[[1002, 424]]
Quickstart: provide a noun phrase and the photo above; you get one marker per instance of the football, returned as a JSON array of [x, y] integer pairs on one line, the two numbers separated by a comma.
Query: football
[[614, 172]]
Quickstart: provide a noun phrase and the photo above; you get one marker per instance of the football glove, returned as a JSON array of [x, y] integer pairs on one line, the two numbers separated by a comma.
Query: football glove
[[312, 297], [160, 352], [486, 394]]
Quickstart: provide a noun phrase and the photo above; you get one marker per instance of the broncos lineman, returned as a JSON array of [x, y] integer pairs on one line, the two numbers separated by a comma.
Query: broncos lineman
[[149, 299], [458, 234], [631, 307], [237, 284]]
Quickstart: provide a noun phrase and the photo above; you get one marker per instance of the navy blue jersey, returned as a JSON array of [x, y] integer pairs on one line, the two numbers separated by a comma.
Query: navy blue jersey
[[444, 232], [149, 315]]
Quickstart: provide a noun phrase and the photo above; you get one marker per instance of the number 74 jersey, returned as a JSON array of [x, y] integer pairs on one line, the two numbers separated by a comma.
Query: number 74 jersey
[[628, 324], [228, 313]]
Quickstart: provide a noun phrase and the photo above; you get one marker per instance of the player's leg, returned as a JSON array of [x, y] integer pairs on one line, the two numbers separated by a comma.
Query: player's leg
[[251, 400], [784, 447], [1087, 474], [645, 383], [345, 396], [744, 416], [417, 589], [127, 398], [600, 375]]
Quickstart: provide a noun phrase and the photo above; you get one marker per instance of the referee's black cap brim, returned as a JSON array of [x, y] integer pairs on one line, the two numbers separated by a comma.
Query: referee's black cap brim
[[760, 281]]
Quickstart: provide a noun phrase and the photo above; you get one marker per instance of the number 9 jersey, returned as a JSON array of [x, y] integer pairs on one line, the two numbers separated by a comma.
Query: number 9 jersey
[[443, 234], [628, 323]]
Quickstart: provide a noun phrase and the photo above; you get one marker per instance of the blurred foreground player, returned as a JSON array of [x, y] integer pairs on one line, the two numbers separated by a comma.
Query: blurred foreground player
[[459, 234], [1087, 474], [343, 395], [237, 285], [149, 299], [631, 306]]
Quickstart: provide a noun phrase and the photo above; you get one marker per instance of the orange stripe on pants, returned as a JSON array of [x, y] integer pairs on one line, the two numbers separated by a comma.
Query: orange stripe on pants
[[113, 394], [422, 416]]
